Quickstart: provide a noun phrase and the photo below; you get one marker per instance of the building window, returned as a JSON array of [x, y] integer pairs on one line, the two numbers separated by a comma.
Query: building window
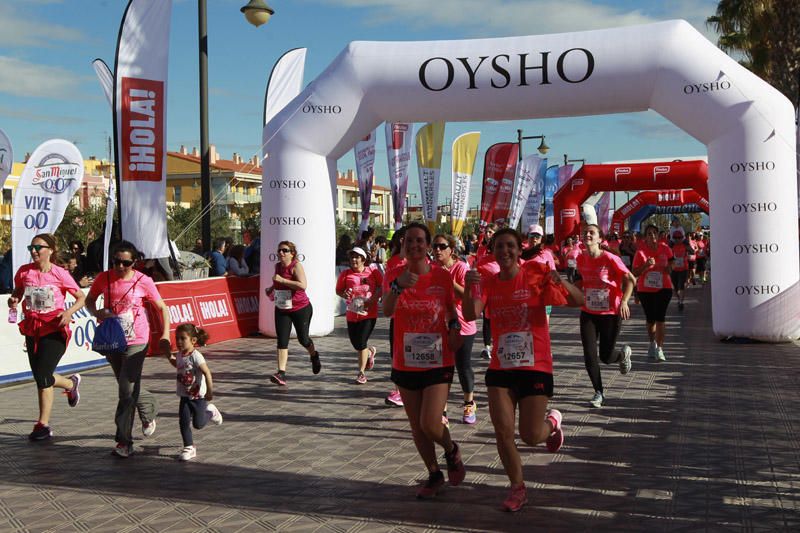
[[176, 195]]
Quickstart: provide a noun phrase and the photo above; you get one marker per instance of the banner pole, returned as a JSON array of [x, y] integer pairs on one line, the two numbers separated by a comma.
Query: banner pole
[[205, 157]]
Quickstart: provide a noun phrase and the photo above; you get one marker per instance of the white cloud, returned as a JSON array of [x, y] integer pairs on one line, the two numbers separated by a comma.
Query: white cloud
[[21, 78], [17, 29]]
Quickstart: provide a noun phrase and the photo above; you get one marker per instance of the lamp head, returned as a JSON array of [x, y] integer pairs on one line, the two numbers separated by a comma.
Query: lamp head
[[543, 148], [257, 12]]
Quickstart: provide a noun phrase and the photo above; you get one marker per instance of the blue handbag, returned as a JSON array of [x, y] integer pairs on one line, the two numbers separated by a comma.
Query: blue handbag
[[109, 337]]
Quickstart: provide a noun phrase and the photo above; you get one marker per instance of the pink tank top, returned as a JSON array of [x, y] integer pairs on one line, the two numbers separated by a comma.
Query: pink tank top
[[299, 297]]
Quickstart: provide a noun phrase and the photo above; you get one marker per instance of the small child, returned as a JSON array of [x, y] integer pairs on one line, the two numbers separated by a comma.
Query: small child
[[195, 386]]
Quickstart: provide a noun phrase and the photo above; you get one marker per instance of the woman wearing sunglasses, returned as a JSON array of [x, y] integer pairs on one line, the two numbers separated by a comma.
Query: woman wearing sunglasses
[[292, 308], [652, 265], [125, 292], [443, 252], [42, 286]]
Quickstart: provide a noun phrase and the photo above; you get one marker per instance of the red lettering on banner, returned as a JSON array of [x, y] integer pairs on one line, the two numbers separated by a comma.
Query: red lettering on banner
[[142, 135]]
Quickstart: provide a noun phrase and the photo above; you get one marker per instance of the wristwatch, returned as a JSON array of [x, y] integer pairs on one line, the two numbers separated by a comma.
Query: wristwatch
[[395, 287], [454, 324]]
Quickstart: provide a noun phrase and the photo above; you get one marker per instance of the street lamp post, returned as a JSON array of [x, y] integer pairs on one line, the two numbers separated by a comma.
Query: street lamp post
[[257, 13], [543, 148]]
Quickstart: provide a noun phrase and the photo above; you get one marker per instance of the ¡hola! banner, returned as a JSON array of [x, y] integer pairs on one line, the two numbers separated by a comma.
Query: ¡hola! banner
[[430, 141], [364, 152], [48, 182], [465, 149], [398, 153], [140, 116]]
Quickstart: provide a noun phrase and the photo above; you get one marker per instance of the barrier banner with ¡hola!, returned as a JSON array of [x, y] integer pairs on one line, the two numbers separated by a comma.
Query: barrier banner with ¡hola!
[[465, 149]]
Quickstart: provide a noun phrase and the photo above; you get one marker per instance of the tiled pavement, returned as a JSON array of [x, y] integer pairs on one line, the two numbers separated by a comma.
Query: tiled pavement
[[706, 441]]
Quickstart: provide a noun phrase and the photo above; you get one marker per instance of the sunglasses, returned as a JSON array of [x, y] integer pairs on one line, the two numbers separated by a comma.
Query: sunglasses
[[534, 235], [36, 247], [284, 251], [123, 262], [440, 246]]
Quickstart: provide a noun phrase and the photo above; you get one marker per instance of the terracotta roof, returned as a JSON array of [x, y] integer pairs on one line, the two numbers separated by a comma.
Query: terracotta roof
[[354, 183], [245, 167]]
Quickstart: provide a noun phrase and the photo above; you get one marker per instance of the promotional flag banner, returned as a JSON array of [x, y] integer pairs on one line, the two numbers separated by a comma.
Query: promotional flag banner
[[140, 135], [601, 208], [430, 140], [496, 162], [364, 152], [48, 182], [465, 150], [398, 153], [111, 206], [285, 82], [550, 185], [505, 193], [533, 207], [564, 174], [527, 171], [6, 158], [106, 78]]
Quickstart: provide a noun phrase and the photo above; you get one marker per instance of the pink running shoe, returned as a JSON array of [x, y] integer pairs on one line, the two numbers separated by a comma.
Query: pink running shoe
[[455, 466], [517, 497], [394, 399], [556, 438], [361, 378], [73, 395], [371, 358], [432, 485]]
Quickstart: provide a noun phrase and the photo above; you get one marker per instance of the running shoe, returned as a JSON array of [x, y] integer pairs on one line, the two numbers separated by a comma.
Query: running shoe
[[41, 432], [371, 358], [432, 485], [680, 306], [123, 450], [625, 360], [556, 438], [278, 378], [73, 395], [455, 466], [517, 497], [486, 353], [652, 351], [361, 378], [394, 399], [316, 365], [445, 420], [660, 355], [188, 453], [597, 400], [148, 428], [216, 416], [470, 410]]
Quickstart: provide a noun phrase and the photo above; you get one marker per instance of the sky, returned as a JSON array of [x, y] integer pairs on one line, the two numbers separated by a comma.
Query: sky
[[48, 88]]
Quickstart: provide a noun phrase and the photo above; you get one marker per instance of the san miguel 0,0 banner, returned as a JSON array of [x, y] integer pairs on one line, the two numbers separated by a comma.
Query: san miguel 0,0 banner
[[48, 182], [140, 99], [6, 158], [365, 166], [527, 171], [430, 141], [398, 152], [465, 149]]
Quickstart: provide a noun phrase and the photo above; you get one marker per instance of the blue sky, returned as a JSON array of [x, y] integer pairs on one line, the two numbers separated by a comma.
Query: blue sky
[[48, 88]]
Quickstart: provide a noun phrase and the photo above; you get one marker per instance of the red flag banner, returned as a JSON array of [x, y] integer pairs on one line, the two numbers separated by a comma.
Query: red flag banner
[[496, 163]]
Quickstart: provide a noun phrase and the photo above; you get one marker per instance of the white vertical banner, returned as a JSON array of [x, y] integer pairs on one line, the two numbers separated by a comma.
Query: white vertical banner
[[527, 172], [398, 153], [601, 209], [285, 82], [48, 182], [364, 152], [430, 140], [106, 78], [6, 158], [111, 206], [140, 117], [532, 210]]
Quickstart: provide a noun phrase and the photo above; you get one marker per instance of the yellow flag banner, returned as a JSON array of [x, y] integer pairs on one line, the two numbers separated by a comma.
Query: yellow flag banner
[[465, 149], [430, 140]]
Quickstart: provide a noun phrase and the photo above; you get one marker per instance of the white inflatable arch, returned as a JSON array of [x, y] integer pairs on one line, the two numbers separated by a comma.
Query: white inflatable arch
[[669, 67]]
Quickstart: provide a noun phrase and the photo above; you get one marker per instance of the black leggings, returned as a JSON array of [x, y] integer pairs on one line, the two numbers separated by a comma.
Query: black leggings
[[466, 376], [487, 331], [49, 351], [655, 304], [360, 331], [606, 328], [192, 412], [301, 319]]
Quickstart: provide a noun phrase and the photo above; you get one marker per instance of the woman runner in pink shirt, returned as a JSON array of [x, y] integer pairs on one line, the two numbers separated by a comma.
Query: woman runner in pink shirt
[[652, 265]]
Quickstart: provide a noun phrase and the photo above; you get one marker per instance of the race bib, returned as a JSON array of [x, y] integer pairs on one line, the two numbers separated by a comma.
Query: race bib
[[40, 299], [422, 350], [515, 349], [126, 320], [571, 263], [358, 298], [654, 280], [597, 299], [679, 262], [283, 299]]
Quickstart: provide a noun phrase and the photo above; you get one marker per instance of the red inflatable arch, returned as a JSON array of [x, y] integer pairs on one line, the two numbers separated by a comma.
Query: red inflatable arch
[[668, 198], [622, 177]]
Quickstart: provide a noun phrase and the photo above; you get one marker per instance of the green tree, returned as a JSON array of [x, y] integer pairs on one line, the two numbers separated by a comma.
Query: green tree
[[81, 225], [184, 225], [767, 35]]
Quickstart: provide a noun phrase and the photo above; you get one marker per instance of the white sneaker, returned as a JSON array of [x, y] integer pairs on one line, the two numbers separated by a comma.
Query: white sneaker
[[660, 355], [486, 353], [597, 400], [188, 453], [216, 416], [149, 428], [625, 360]]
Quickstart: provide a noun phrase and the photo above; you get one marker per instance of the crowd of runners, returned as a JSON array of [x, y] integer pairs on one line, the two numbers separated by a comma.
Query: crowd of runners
[[433, 294]]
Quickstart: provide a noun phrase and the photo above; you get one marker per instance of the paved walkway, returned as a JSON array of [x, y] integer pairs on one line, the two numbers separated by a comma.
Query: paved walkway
[[707, 440]]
